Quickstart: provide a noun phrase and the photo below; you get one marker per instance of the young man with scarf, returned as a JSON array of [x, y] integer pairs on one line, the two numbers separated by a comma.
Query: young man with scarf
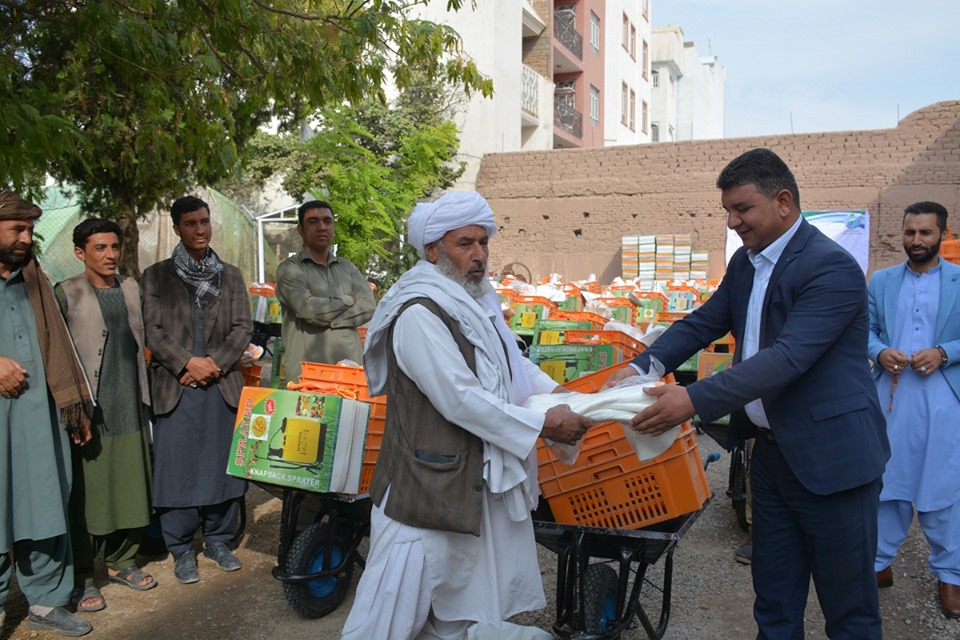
[[197, 316], [45, 397], [451, 540]]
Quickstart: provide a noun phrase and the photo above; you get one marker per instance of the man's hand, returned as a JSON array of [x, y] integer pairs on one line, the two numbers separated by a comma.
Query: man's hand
[[926, 361], [625, 372], [563, 425], [200, 372], [672, 407], [895, 361], [13, 378], [83, 434]]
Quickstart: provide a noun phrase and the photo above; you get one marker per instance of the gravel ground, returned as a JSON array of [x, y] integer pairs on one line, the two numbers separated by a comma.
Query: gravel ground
[[712, 594]]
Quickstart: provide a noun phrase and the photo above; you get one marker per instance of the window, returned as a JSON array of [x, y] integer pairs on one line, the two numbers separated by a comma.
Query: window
[[646, 58], [594, 105], [633, 42], [671, 132], [594, 31], [624, 102], [645, 9], [643, 121], [633, 111], [654, 132], [656, 78], [625, 36]]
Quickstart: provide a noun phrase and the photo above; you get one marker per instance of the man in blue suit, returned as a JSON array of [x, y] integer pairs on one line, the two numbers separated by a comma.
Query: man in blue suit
[[796, 303], [914, 341]]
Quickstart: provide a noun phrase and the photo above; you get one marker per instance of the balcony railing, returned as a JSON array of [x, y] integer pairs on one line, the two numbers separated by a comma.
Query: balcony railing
[[530, 91], [567, 118], [566, 34]]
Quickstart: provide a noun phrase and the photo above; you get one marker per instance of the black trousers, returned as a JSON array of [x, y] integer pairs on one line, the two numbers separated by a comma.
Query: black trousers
[[218, 522]]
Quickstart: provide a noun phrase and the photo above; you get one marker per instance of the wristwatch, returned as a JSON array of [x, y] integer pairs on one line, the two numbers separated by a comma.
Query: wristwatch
[[943, 354]]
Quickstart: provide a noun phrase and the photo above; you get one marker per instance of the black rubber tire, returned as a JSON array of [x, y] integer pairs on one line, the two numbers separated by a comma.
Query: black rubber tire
[[600, 584], [320, 597]]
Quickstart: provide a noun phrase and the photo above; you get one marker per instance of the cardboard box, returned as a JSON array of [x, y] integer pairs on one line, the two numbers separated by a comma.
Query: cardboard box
[[301, 440], [711, 363], [565, 362], [551, 331], [265, 309]]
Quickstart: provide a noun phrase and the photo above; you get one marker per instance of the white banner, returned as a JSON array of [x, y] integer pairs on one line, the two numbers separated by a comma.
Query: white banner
[[849, 229]]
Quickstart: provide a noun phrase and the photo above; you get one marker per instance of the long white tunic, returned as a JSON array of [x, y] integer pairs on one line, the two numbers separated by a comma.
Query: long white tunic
[[462, 577]]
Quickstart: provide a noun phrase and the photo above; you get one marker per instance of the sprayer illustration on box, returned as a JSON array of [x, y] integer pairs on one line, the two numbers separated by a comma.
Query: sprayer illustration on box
[[303, 440]]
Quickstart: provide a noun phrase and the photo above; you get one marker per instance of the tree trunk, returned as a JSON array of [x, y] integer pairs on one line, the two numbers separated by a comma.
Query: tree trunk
[[129, 243]]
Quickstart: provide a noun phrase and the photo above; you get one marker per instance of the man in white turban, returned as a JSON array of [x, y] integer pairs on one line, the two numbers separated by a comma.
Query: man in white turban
[[451, 540]]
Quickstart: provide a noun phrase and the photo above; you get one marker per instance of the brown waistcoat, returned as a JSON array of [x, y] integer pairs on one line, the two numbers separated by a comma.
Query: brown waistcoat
[[434, 467]]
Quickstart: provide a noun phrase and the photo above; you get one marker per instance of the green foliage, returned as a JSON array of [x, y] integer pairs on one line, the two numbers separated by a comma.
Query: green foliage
[[136, 101], [374, 162]]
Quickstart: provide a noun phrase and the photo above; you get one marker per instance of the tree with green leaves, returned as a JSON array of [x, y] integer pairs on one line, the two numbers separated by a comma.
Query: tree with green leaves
[[373, 162], [134, 102]]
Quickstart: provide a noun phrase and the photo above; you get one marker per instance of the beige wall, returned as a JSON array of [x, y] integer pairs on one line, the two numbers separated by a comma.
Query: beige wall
[[565, 211]]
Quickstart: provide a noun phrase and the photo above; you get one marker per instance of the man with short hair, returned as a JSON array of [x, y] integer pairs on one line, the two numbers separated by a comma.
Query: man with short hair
[[914, 343], [110, 501], [45, 396], [796, 303], [451, 538], [197, 315], [324, 297]]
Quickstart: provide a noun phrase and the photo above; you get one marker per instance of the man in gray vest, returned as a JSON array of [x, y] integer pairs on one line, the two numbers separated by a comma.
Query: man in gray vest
[[451, 538]]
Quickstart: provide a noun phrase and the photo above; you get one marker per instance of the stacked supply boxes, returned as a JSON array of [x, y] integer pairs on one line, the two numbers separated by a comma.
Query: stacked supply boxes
[[646, 260], [698, 265], [681, 256], [664, 257], [628, 257]]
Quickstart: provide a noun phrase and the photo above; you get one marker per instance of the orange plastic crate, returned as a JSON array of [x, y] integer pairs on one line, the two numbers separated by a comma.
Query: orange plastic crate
[[350, 382], [251, 375], [628, 345], [580, 316], [620, 492]]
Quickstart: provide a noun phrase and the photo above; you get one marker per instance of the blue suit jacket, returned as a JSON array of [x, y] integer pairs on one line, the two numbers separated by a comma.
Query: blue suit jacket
[[811, 370], [885, 290]]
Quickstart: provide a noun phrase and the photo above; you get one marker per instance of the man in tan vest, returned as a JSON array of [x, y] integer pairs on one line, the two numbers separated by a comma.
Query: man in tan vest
[[451, 540], [110, 501]]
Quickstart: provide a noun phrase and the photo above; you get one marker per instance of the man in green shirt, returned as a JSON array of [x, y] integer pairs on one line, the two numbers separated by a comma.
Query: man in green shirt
[[324, 297], [43, 396]]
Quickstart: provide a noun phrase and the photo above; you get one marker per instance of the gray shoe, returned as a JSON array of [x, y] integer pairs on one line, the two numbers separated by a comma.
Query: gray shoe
[[185, 568], [60, 621], [744, 555], [219, 553]]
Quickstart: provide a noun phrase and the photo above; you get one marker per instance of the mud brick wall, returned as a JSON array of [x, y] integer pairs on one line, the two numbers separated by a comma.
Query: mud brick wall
[[564, 211]]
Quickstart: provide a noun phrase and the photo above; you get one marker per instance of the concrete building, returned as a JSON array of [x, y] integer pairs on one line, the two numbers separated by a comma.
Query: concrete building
[[627, 72], [687, 90]]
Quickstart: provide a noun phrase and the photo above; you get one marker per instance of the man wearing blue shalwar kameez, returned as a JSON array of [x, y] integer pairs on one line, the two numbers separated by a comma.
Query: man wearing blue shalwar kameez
[[914, 343], [43, 394]]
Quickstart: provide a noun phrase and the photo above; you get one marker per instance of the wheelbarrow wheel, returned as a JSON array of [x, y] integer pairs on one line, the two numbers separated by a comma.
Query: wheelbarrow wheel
[[322, 596], [600, 585]]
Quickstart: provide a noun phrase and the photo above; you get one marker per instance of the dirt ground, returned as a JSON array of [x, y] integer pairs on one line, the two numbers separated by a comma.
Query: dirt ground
[[712, 594]]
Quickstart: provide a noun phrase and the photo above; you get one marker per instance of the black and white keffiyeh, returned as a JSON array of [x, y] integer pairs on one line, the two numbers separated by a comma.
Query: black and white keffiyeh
[[204, 276]]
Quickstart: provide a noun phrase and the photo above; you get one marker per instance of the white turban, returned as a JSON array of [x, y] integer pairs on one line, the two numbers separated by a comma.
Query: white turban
[[453, 210]]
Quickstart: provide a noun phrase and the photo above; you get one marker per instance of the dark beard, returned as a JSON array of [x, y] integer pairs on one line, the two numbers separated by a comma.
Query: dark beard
[[8, 257], [926, 256]]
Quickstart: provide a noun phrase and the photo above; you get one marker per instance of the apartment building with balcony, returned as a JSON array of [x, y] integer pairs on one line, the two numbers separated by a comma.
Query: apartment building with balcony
[[500, 36], [687, 90], [580, 94]]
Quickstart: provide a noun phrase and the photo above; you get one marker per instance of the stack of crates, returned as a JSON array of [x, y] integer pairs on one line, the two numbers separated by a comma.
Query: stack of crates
[[609, 487], [350, 382]]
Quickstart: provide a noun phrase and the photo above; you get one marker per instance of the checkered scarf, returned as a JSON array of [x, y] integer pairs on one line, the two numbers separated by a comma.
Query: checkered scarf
[[204, 276], [65, 377]]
